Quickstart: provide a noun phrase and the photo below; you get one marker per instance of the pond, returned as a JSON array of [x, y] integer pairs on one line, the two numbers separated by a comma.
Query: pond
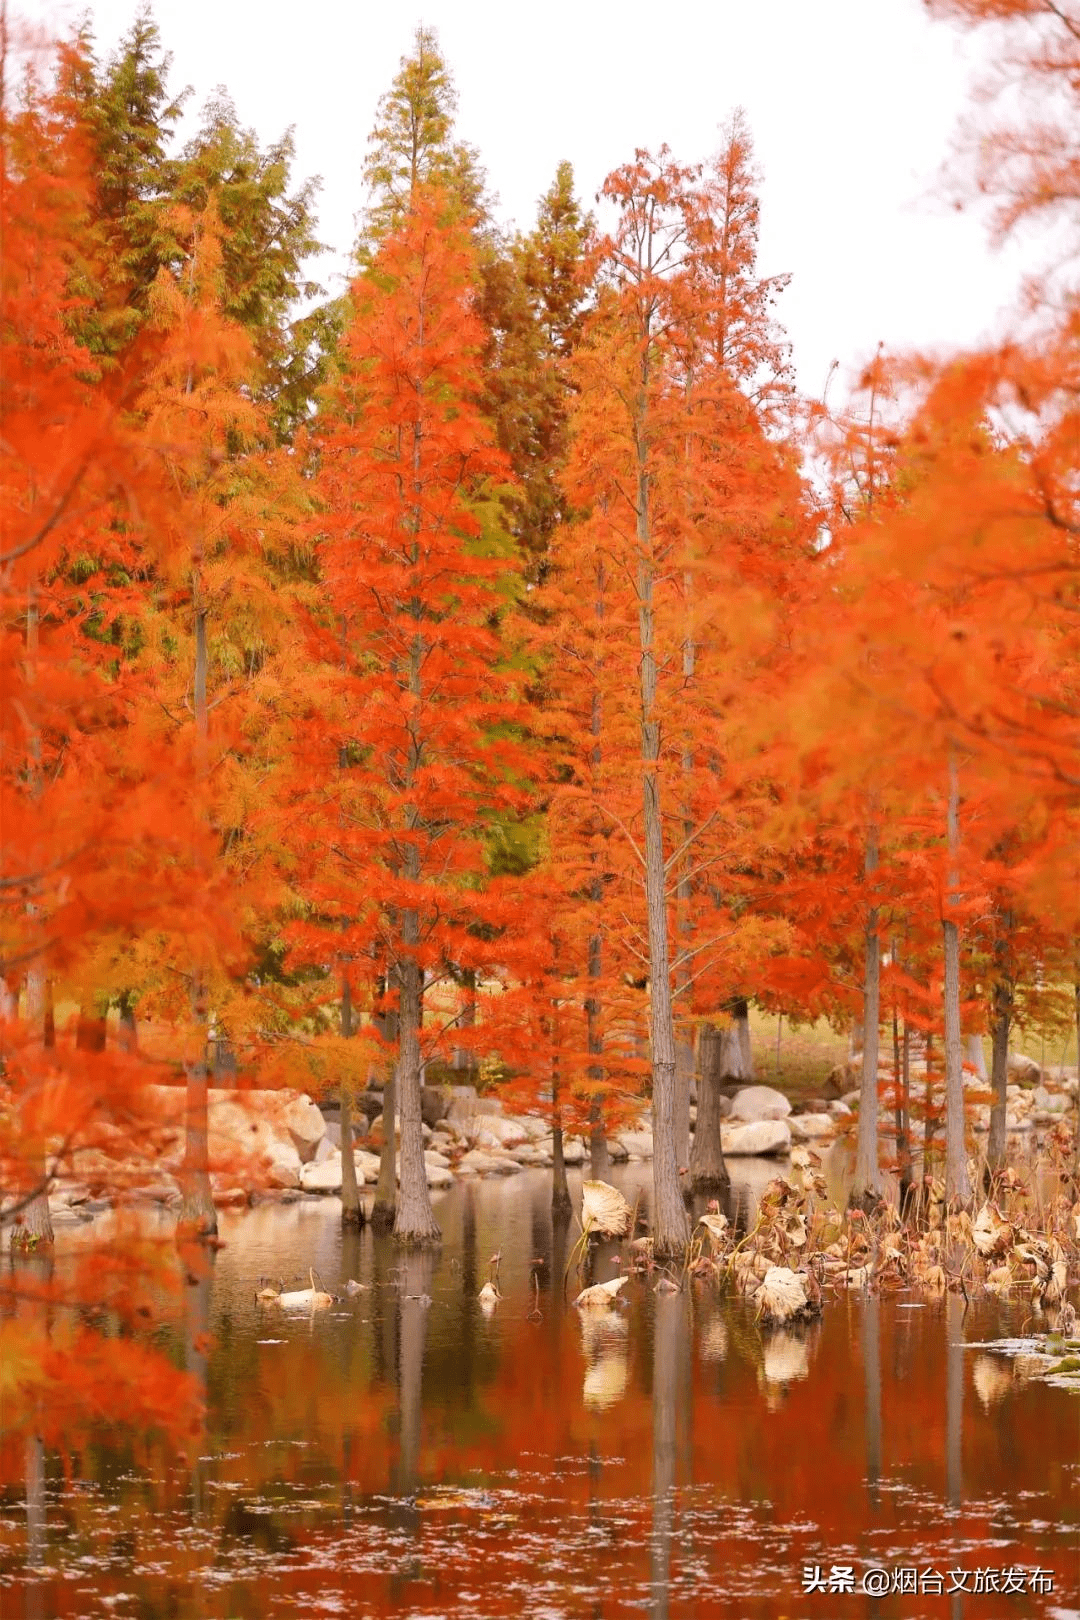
[[405, 1454]]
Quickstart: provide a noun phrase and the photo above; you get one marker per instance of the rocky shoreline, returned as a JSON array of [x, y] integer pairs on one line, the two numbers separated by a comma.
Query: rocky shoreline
[[281, 1146]]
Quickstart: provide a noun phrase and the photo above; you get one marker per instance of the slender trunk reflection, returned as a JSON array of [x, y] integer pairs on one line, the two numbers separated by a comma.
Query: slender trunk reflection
[[671, 1338], [954, 1416], [199, 1262], [872, 1385], [36, 1527], [417, 1274]]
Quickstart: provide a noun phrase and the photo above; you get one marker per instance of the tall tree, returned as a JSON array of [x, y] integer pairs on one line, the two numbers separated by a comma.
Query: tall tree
[[403, 459], [412, 146]]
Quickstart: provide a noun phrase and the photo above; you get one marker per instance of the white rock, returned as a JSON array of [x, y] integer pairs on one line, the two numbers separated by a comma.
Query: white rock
[[492, 1130], [367, 1166], [1024, 1069], [757, 1137], [532, 1155], [432, 1157], [1049, 1102], [324, 1150], [759, 1102], [532, 1128], [573, 1150], [481, 1162], [305, 1124], [810, 1127], [618, 1152], [325, 1177], [438, 1177], [638, 1144], [283, 1173], [840, 1109]]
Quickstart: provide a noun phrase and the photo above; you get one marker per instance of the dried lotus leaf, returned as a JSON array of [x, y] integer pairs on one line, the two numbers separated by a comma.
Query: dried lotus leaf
[[604, 1209]]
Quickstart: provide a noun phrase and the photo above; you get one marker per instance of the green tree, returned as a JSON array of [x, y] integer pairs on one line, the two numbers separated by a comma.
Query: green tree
[[412, 145]]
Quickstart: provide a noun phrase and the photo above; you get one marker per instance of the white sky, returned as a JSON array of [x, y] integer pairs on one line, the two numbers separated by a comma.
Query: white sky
[[852, 105]]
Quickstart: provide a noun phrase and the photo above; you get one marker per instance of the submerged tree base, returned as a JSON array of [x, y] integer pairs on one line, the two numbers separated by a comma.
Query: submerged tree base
[[197, 1220], [411, 1238], [383, 1215], [708, 1182], [869, 1201]]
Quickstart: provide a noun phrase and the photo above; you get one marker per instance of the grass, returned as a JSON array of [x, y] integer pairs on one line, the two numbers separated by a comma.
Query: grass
[[807, 1054]]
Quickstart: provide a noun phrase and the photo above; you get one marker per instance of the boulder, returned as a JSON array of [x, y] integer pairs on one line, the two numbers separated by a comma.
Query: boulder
[[1049, 1102], [756, 1137], [367, 1166], [618, 1152], [811, 1127], [324, 1177], [481, 1162], [759, 1102], [375, 1132], [463, 1103], [305, 1124], [838, 1109], [325, 1150], [573, 1150], [164, 1190], [438, 1177], [492, 1130], [283, 1173], [67, 1194], [434, 1101], [533, 1129], [226, 1194], [1023, 1070], [369, 1103], [638, 1144], [432, 1156], [532, 1154]]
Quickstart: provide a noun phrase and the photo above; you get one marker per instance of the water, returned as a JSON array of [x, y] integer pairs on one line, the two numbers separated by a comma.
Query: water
[[393, 1457]]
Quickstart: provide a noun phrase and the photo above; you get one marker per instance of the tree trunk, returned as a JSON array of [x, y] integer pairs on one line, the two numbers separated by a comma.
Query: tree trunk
[[561, 1204], [902, 1060], [463, 1056], [866, 1188], [352, 1213], [928, 1104], [735, 1059], [599, 1160], [1076, 1149], [974, 1056], [414, 1222], [708, 1172], [957, 1184], [671, 1226], [999, 1075], [385, 1206], [197, 1213], [32, 1227]]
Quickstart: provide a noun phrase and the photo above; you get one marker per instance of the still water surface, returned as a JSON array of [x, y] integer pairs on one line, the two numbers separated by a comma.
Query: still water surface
[[404, 1454]]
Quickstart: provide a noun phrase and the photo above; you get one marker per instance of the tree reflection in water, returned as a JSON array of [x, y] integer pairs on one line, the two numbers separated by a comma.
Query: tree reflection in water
[[404, 1459], [670, 1392]]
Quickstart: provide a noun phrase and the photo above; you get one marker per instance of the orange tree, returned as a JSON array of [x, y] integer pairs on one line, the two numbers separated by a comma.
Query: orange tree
[[418, 581]]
